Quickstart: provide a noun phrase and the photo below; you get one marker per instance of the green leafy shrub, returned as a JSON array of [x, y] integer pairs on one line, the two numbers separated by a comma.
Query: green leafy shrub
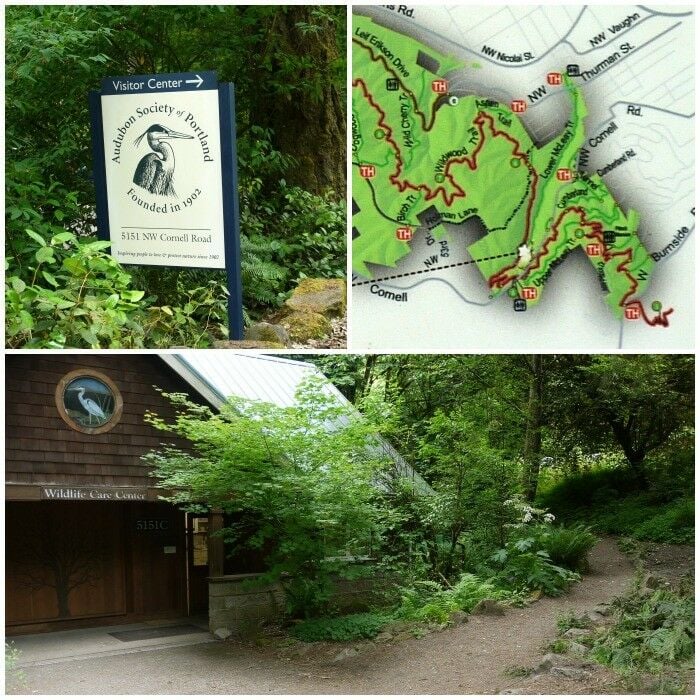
[[341, 629], [438, 608], [297, 494], [305, 596], [470, 589], [674, 524], [200, 316], [571, 620], [312, 228], [15, 678], [585, 490], [641, 516], [523, 565], [558, 646], [608, 500], [428, 601], [652, 633], [287, 235], [76, 295], [567, 546], [671, 468]]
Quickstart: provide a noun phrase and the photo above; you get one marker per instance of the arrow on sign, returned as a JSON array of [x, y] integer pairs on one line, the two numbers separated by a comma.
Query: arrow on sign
[[199, 80]]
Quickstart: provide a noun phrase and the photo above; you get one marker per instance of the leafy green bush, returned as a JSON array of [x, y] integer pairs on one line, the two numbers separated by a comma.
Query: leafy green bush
[[200, 315], [671, 468], [341, 629], [582, 491], [16, 679], [287, 235], [523, 565], [674, 524], [652, 632], [428, 601], [306, 596], [312, 229], [470, 589], [570, 619], [641, 516], [608, 500], [296, 493], [567, 546], [76, 295]]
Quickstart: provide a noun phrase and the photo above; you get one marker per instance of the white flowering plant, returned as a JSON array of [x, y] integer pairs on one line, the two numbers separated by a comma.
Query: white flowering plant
[[534, 531], [527, 514]]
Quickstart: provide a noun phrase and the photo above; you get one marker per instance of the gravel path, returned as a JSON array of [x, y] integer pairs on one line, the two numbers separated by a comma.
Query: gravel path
[[468, 658]]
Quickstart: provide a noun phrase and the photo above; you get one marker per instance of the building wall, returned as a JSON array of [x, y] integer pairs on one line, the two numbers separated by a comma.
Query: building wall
[[240, 607], [42, 449], [126, 558]]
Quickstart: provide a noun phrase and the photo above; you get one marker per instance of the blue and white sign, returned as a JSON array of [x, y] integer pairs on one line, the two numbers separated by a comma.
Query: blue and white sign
[[165, 171]]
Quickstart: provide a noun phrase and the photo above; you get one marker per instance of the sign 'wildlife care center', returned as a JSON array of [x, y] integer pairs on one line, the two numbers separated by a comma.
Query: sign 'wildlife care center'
[[165, 174]]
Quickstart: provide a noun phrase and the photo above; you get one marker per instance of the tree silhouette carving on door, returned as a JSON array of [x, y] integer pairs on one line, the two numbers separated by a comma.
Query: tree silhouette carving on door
[[72, 550]]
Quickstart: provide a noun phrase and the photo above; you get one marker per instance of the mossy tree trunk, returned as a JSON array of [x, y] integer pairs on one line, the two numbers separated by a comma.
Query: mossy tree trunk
[[532, 452], [308, 118]]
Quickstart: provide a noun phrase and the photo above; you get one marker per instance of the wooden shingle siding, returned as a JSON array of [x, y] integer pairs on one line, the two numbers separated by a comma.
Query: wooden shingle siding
[[42, 449]]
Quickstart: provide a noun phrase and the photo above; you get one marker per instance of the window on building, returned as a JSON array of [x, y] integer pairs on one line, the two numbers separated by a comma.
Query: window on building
[[200, 536], [88, 401]]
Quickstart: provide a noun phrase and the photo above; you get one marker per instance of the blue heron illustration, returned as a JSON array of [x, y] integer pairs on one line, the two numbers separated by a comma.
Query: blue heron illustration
[[92, 408], [155, 171]]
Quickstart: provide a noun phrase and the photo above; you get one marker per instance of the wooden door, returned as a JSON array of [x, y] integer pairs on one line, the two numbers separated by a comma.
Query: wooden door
[[64, 561], [158, 563]]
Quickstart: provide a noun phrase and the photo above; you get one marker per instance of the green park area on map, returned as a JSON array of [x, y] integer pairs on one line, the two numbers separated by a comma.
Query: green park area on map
[[416, 146]]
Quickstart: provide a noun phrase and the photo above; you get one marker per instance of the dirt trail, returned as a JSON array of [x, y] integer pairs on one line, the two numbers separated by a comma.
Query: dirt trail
[[468, 658]]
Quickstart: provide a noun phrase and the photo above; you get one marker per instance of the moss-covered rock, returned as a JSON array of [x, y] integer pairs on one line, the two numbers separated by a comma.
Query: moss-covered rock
[[267, 332], [320, 296], [306, 325]]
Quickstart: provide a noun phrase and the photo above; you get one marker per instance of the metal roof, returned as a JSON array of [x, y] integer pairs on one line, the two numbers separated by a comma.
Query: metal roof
[[219, 374]]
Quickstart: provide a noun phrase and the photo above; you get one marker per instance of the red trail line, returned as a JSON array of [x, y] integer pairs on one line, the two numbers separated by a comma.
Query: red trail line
[[427, 126], [402, 184], [660, 319], [596, 232]]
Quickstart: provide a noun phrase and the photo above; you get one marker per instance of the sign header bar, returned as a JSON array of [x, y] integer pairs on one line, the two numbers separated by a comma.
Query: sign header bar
[[163, 82]]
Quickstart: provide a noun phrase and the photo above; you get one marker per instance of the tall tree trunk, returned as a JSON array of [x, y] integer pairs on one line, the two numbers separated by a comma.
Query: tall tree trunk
[[532, 452], [634, 450], [368, 376], [310, 125]]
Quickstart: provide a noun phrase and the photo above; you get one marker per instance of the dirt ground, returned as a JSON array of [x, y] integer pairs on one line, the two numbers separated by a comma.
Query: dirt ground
[[668, 561], [475, 657], [338, 337]]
